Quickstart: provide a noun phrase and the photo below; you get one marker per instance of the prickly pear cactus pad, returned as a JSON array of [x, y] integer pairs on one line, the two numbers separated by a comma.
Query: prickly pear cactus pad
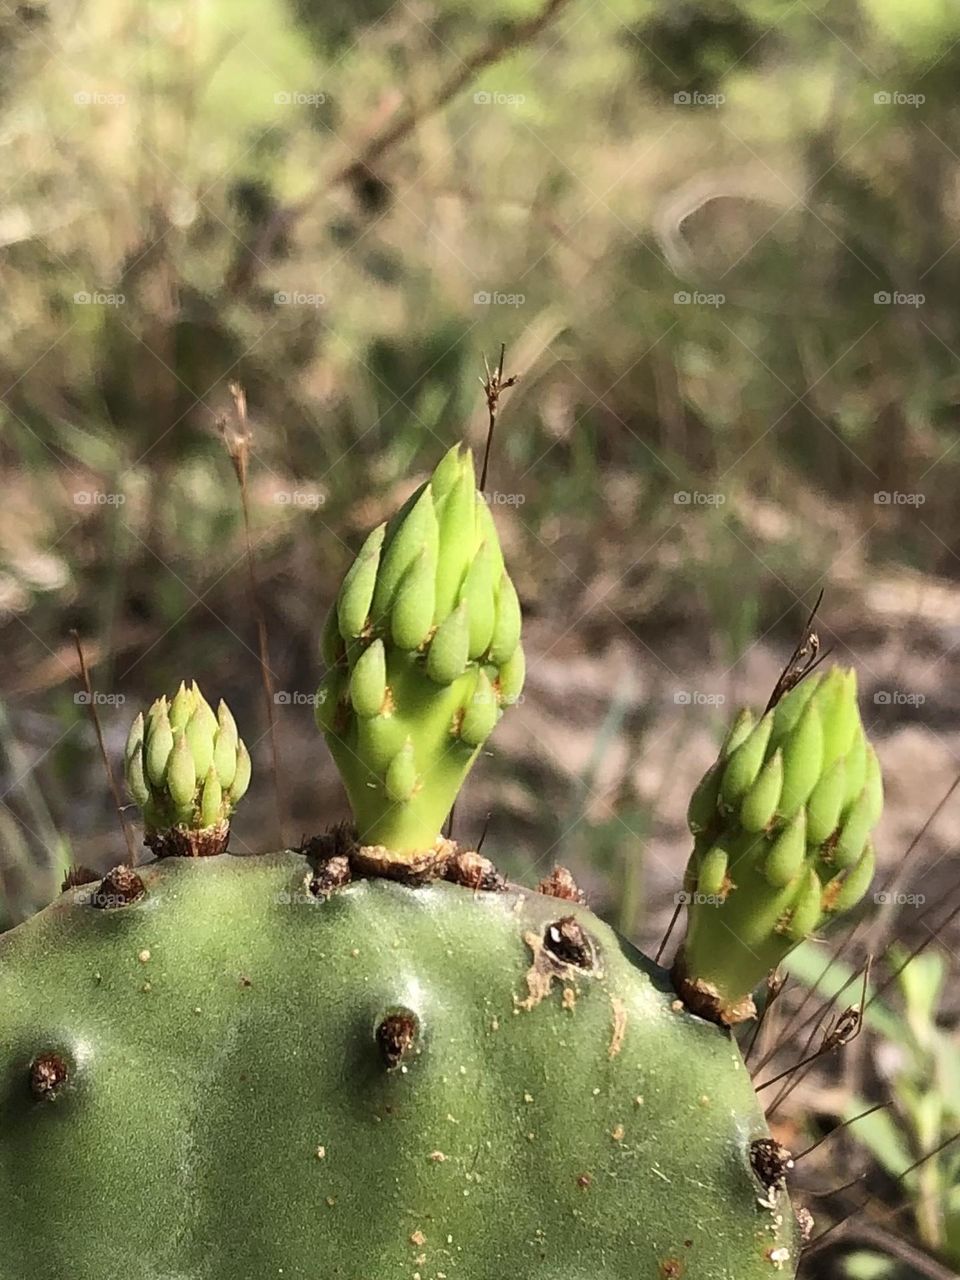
[[371, 1058], [222, 1069], [423, 649], [781, 826]]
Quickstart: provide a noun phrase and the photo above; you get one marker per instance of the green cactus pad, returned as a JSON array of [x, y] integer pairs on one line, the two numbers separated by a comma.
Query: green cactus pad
[[781, 825], [423, 649], [230, 1078]]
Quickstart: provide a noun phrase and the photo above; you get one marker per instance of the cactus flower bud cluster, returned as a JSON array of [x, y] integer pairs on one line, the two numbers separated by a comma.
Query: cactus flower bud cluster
[[186, 768], [423, 653], [781, 826]]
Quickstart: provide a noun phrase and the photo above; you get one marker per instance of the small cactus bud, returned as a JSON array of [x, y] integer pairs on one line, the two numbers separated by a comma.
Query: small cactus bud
[[713, 871], [412, 617], [786, 857], [478, 595], [158, 744], [458, 536], [745, 763], [802, 760], [826, 802], [186, 769], [449, 648], [512, 675], [241, 779], [201, 733], [181, 773], [702, 809], [211, 800], [401, 780], [853, 834], [136, 781], [852, 885], [401, 547], [356, 594], [760, 803], [368, 684], [739, 732], [790, 835], [807, 907], [506, 629], [481, 713]]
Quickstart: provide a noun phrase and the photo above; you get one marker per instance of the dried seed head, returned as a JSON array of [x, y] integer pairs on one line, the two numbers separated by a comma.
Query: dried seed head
[[561, 884], [566, 941], [49, 1072], [330, 876], [118, 888], [473, 871], [843, 1030], [396, 1036]]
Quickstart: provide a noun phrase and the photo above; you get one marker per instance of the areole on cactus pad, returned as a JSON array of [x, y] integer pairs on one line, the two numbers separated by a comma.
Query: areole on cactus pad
[[373, 1058]]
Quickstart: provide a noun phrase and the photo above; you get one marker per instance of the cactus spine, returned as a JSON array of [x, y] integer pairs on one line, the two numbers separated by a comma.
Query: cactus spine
[[423, 650]]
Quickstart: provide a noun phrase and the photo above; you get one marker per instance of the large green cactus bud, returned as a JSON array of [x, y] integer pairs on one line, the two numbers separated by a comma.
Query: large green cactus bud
[[186, 768], [781, 826], [423, 649]]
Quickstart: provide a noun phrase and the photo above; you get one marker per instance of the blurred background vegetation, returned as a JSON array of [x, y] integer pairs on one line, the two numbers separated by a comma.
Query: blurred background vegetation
[[721, 242]]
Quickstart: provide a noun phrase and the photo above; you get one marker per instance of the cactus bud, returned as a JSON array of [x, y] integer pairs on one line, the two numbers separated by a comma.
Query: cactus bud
[[702, 809], [780, 803], [401, 778], [211, 799], [512, 675], [412, 616], [802, 760], [481, 713], [745, 763], [181, 773], [241, 779], [713, 871], [430, 651], [738, 732], [368, 684], [356, 594], [785, 859], [158, 743], [180, 760], [826, 802], [506, 628], [450, 646], [478, 595], [760, 803]]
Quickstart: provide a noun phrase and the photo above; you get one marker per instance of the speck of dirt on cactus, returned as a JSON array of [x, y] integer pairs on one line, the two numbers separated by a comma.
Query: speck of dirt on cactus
[[396, 1036], [560, 884], [118, 888], [330, 876], [771, 1162], [49, 1072]]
